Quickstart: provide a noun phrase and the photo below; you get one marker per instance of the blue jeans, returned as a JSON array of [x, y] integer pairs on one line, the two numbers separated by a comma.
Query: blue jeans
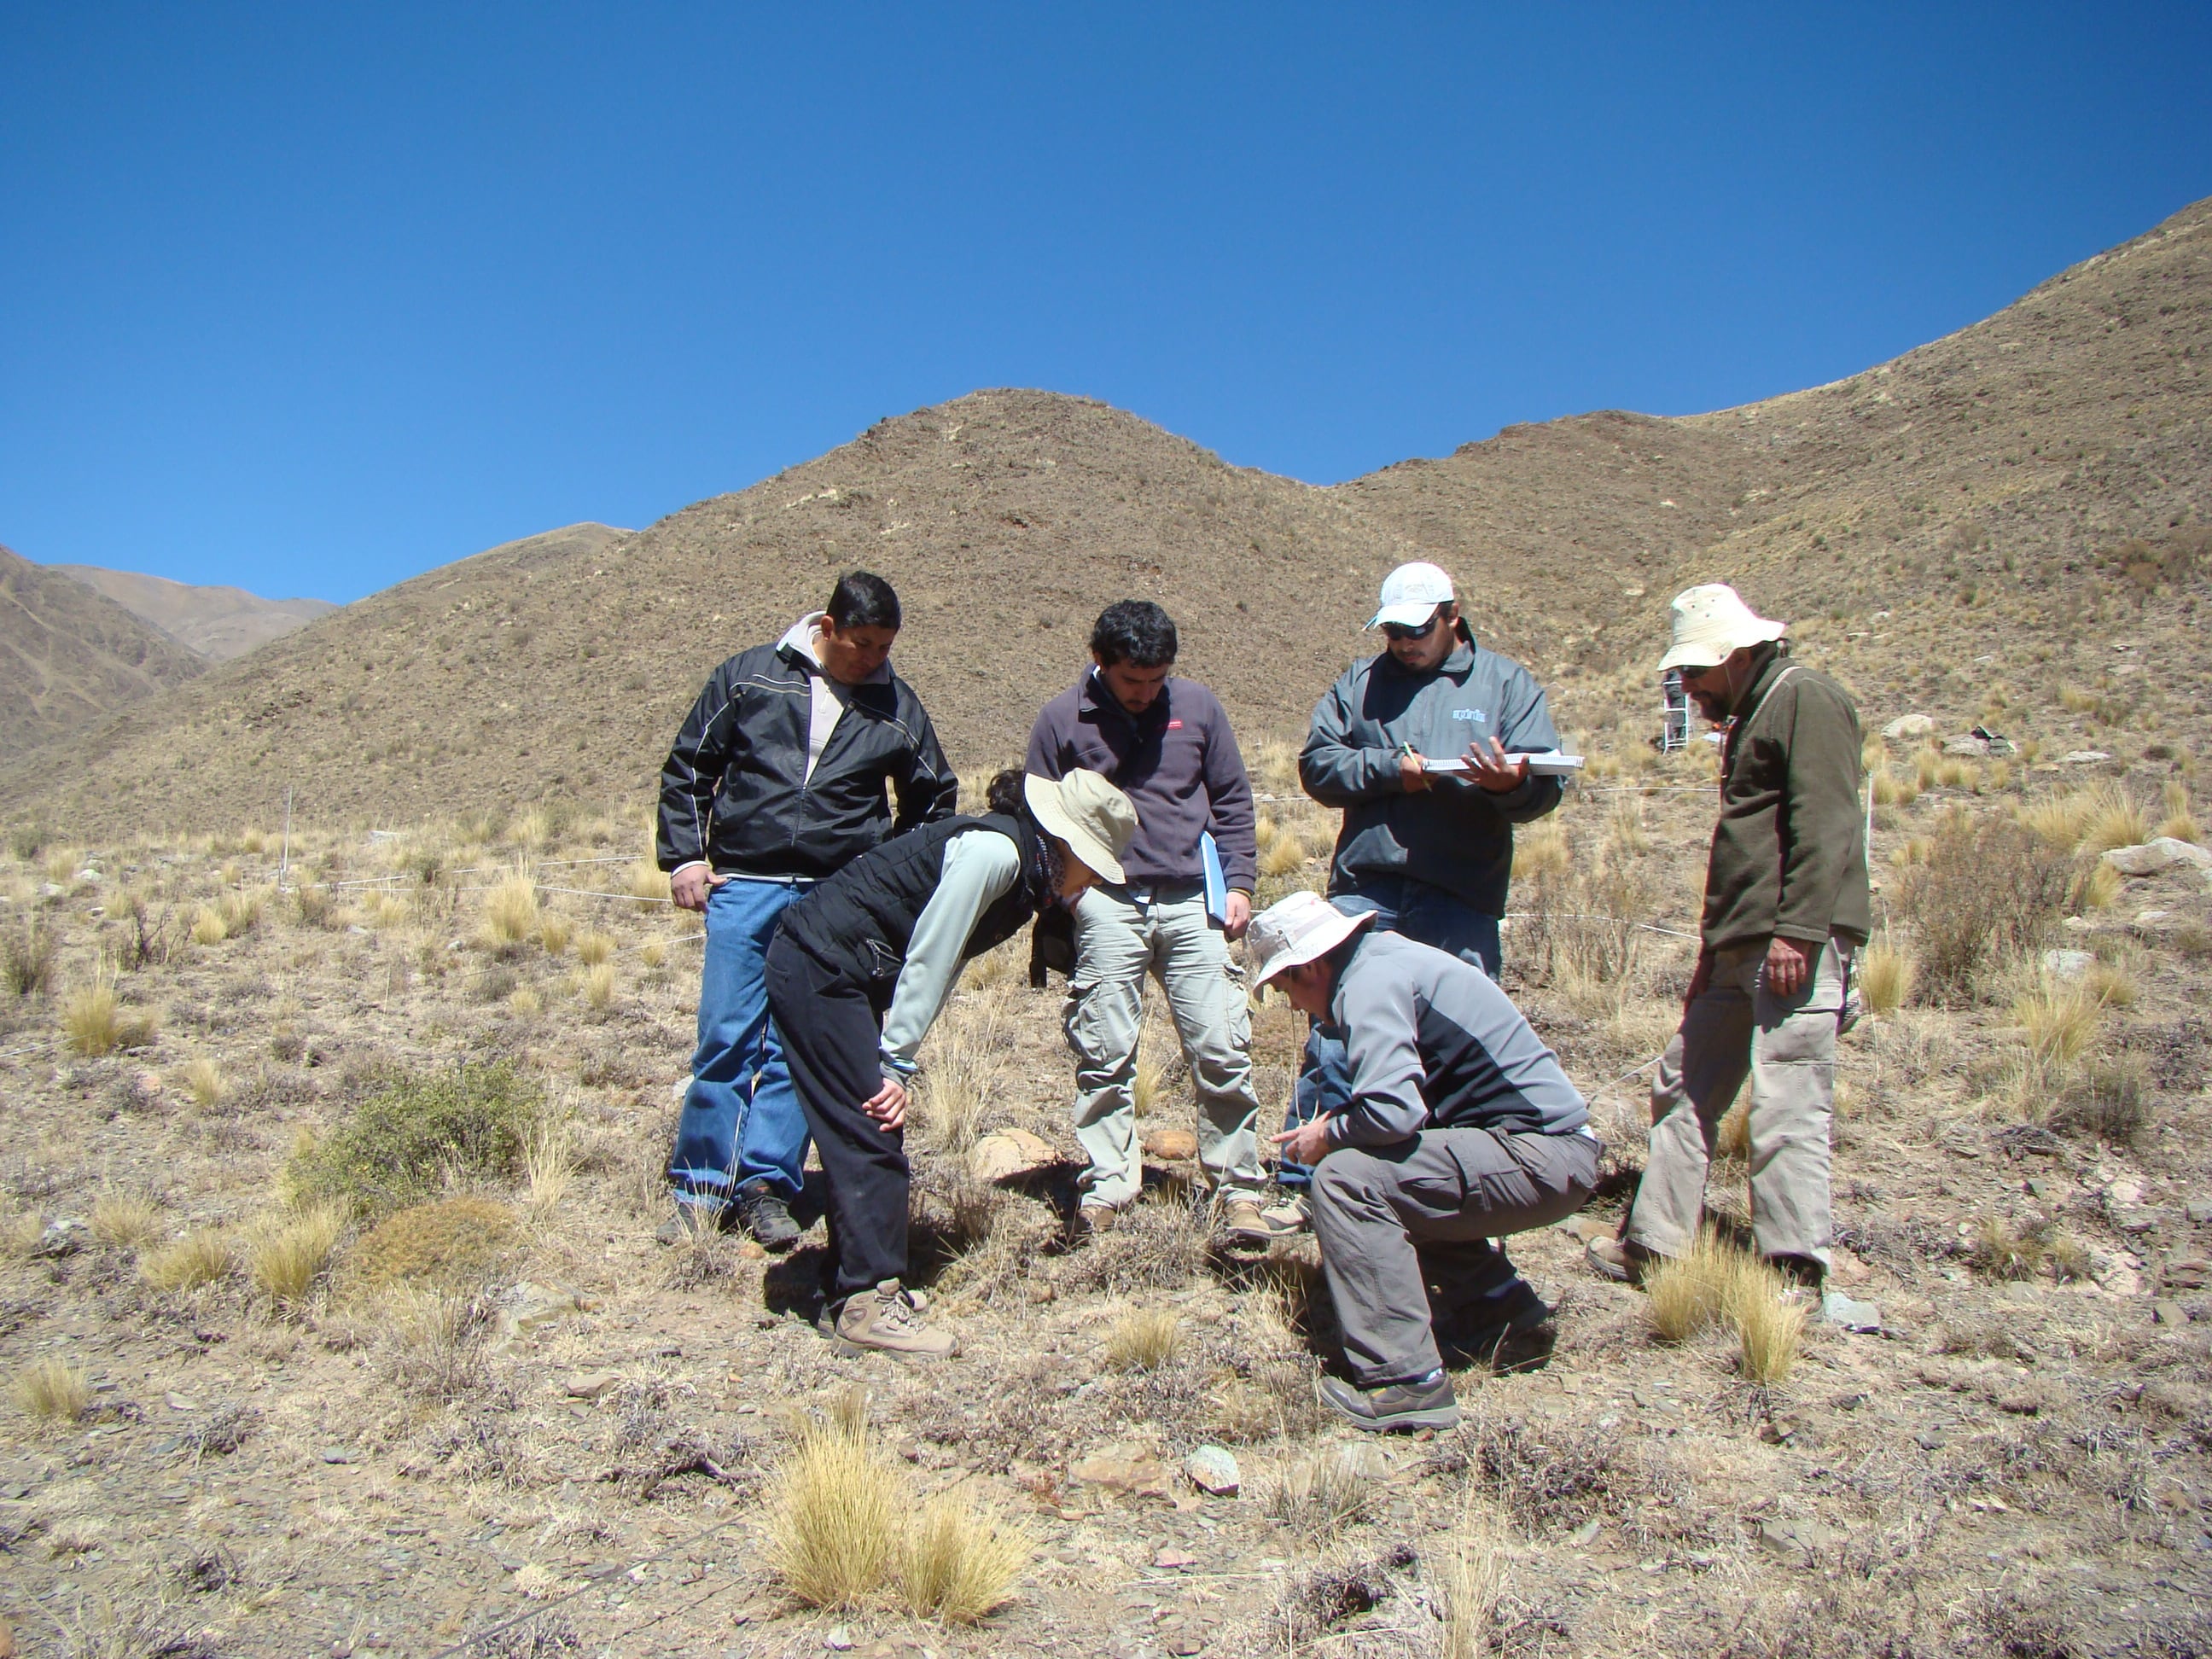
[[1419, 912], [740, 1086]]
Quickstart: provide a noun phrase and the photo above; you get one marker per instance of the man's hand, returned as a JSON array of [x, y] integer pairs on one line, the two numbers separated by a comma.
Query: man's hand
[[1494, 769], [1240, 914], [1308, 1143], [1414, 773], [689, 886], [888, 1106], [1789, 966]]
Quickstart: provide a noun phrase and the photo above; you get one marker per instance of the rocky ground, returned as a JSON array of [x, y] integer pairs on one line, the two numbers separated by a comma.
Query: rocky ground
[[542, 1433]]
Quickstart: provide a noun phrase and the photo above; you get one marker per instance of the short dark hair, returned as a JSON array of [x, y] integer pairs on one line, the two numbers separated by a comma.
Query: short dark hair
[[1135, 631], [1003, 793], [863, 599]]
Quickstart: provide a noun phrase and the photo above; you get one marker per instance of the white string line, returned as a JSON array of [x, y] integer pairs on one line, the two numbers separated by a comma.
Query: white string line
[[1568, 915]]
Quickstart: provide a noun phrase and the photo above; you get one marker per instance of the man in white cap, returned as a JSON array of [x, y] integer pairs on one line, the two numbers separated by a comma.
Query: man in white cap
[[1428, 853], [1459, 1128], [1786, 905]]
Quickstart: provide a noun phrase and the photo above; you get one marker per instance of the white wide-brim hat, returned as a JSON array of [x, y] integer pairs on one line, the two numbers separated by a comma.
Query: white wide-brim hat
[[1095, 820], [1411, 594], [1710, 622], [1297, 930]]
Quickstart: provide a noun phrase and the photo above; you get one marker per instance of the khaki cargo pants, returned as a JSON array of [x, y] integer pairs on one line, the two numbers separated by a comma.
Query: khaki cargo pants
[[1734, 1030], [1121, 935]]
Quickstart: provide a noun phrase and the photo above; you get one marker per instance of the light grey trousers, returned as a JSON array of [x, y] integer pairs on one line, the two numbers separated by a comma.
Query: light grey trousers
[[1735, 1028], [1121, 935], [1380, 1213]]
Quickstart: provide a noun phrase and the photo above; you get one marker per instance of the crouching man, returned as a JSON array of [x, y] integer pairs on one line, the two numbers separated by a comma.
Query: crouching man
[[1462, 1127]]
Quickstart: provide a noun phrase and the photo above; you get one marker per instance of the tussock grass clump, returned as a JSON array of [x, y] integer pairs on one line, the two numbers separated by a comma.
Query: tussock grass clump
[[2060, 1018], [314, 906], [434, 1345], [94, 1024], [205, 1082], [1282, 855], [553, 932], [1887, 977], [1318, 1495], [1143, 1341], [510, 910], [596, 987], [1540, 850], [2004, 1251], [28, 956], [652, 953], [2109, 1098], [1769, 1328], [959, 1563], [2180, 819], [2115, 819], [416, 1134], [1716, 1283], [201, 1257], [647, 880], [1687, 1294], [453, 1242], [967, 1058], [594, 948], [2096, 887], [52, 1390], [548, 1161], [835, 1512], [228, 917], [20, 1234], [128, 1221], [285, 1259]]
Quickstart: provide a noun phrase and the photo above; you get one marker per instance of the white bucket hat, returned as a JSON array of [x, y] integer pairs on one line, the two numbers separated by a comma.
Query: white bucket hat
[[1297, 930], [1090, 815], [1710, 622], [1411, 594]]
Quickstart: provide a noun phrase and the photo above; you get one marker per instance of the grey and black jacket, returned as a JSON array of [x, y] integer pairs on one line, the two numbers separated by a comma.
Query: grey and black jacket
[[1433, 1043], [1455, 835], [735, 790]]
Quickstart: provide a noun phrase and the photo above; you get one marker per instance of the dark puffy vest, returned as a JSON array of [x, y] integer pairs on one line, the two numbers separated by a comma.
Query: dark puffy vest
[[861, 920]]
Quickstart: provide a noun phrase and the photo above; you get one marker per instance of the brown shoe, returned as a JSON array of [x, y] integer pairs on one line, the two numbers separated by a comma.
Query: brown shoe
[[1093, 1219], [1245, 1224], [1620, 1260], [888, 1319]]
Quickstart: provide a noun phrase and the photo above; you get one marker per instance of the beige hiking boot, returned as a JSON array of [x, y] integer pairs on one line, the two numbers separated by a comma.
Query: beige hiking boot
[[1246, 1226], [1094, 1218], [888, 1319]]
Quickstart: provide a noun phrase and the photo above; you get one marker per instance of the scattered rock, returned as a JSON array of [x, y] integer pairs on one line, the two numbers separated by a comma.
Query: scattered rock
[[1121, 1468], [2169, 1313], [1171, 1146], [1796, 1541], [2200, 1210], [2069, 964], [336, 1454], [64, 1238], [1010, 1155], [1361, 1459], [2160, 853], [1853, 1316], [839, 1640], [1974, 747], [1213, 1470], [1909, 728], [1586, 1534], [179, 1402], [1173, 1559], [589, 1385], [2083, 757]]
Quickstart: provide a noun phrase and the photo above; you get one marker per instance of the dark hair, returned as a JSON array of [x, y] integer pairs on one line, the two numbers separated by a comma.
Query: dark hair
[[863, 599], [1135, 631], [1004, 793]]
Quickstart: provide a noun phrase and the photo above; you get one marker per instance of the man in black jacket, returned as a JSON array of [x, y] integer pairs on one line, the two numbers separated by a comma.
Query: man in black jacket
[[776, 781]]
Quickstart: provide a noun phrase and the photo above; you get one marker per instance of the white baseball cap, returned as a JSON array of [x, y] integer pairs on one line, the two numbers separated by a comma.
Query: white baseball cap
[[1297, 930], [1711, 622], [1411, 594]]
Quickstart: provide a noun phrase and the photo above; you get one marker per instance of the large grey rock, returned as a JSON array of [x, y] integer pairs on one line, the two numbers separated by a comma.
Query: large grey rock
[[1972, 747], [1909, 728], [64, 1238], [2083, 757], [2161, 854], [1213, 1470], [2069, 964]]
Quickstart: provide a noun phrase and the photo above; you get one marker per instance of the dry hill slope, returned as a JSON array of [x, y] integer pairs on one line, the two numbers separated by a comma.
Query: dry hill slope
[[1953, 504], [219, 623], [70, 657]]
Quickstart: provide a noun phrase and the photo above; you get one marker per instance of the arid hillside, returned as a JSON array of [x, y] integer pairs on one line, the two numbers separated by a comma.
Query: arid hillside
[[1929, 525], [220, 623], [70, 657]]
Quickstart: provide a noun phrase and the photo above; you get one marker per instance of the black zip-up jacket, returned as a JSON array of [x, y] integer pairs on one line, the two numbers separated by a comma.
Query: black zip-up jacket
[[735, 792]]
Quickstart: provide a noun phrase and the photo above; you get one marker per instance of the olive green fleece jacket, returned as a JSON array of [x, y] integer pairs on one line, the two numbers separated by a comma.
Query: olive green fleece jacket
[[1789, 854]]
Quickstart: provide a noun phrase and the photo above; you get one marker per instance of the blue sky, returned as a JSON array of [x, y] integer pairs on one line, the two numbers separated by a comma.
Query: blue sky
[[313, 298]]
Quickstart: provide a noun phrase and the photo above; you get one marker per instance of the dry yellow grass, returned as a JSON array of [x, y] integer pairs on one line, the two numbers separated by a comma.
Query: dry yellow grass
[[128, 1221], [451, 1243], [1891, 790], [647, 880], [2060, 1019], [2180, 819], [510, 909], [1540, 850], [553, 934], [1687, 1293], [594, 948], [208, 926], [549, 1160], [205, 1082], [525, 1002], [1886, 976], [2112, 983], [1148, 1076], [1282, 855], [1143, 1341], [94, 1024], [2118, 820], [652, 953], [597, 986], [836, 1513], [2100, 885], [1769, 1330], [53, 1391], [200, 1257], [958, 1562], [286, 1258]]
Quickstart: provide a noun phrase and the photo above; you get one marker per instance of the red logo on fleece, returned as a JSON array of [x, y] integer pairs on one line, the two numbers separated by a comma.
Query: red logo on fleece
[[1174, 725]]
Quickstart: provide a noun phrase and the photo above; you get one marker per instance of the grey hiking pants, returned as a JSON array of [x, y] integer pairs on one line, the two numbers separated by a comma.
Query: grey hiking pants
[[1121, 935], [1385, 1215], [1735, 1028]]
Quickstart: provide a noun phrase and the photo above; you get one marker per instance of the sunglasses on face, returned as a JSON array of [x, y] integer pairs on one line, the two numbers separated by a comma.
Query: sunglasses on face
[[1399, 631]]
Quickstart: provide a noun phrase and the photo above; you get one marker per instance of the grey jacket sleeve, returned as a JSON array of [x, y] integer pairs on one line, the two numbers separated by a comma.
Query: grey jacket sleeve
[[1380, 1022], [981, 867], [1333, 769], [1524, 727]]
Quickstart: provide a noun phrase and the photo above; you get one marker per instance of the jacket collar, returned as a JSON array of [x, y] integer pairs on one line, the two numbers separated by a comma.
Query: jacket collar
[[1457, 664], [1767, 662], [1091, 689], [798, 645]]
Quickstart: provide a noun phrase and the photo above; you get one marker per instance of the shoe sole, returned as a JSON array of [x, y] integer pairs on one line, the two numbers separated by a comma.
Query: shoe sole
[[1605, 1269], [846, 1346], [1429, 1417]]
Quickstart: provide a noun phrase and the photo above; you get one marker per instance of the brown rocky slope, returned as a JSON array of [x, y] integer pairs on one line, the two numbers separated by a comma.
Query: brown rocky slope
[[219, 623]]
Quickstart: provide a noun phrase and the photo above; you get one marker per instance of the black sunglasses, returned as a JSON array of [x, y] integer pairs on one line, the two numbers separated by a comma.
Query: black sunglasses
[[1399, 631]]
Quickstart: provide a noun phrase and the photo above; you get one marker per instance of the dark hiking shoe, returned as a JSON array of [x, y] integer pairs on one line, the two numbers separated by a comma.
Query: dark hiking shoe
[[689, 1223], [1618, 1260], [1498, 1331], [890, 1320], [763, 1212], [1392, 1406]]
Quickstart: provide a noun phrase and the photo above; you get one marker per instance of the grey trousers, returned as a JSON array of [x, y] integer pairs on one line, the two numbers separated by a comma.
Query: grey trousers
[[1121, 935], [1386, 1216], [1734, 1030]]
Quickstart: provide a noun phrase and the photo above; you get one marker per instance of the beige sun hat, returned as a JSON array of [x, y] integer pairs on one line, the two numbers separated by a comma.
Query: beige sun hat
[[1710, 622], [1090, 815], [1297, 930]]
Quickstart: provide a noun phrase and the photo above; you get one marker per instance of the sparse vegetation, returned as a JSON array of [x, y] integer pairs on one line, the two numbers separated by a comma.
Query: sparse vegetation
[[510, 910], [1886, 976], [453, 1244], [286, 1257], [201, 1257], [416, 1133], [837, 1512], [126, 1221], [52, 1390], [1143, 1341], [958, 1562], [28, 951], [94, 1024], [1987, 895]]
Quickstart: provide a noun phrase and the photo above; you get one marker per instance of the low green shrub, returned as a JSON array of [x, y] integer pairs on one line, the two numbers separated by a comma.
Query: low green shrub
[[414, 1135]]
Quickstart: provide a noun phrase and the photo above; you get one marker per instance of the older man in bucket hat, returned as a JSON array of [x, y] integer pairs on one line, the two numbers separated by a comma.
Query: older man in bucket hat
[[1459, 1128], [1786, 905]]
